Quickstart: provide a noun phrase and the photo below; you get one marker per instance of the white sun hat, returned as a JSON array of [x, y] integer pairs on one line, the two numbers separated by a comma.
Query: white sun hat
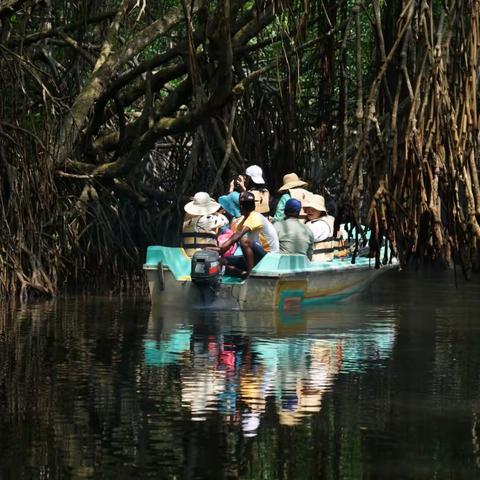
[[211, 221], [317, 202], [255, 173], [202, 204]]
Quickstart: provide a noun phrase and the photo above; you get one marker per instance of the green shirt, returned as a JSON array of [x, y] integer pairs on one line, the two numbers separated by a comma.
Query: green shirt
[[295, 237], [280, 211]]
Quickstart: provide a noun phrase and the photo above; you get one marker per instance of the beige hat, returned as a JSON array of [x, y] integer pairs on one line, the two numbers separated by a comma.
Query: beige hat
[[316, 202], [202, 204], [291, 180]]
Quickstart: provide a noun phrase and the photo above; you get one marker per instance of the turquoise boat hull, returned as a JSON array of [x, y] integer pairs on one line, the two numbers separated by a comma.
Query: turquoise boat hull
[[278, 281]]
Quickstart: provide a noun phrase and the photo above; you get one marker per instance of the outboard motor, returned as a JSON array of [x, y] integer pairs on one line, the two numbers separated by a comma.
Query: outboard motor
[[206, 268]]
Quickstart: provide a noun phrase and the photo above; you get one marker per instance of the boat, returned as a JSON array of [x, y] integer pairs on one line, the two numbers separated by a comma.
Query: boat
[[278, 281]]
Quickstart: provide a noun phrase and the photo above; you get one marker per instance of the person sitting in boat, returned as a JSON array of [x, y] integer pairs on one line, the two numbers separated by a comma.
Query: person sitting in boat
[[293, 235], [202, 223], [230, 204], [322, 226], [256, 237], [254, 182], [291, 188], [231, 209]]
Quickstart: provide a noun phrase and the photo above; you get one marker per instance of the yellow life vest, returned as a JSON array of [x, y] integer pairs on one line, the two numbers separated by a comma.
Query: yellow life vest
[[300, 194], [330, 247], [262, 200], [193, 240]]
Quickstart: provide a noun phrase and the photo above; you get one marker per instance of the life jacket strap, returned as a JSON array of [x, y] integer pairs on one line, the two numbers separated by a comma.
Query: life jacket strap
[[198, 235], [324, 250], [334, 245], [188, 246], [194, 240]]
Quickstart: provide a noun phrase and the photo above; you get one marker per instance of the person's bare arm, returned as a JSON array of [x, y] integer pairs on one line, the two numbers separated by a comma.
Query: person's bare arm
[[233, 239]]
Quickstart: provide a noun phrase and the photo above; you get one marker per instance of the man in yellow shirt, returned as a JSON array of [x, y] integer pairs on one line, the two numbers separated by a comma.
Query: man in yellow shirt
[[255, 234]]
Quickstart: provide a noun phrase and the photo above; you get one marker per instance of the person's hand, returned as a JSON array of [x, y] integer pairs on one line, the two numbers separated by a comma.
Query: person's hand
[[241, 182], [231, 187]]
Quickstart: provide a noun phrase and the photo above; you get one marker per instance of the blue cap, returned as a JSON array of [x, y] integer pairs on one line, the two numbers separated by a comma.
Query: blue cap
[[293, 206], [231, 203]]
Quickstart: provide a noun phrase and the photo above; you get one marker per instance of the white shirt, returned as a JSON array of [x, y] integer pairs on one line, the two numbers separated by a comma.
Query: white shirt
[[320, 228], [271, 235]]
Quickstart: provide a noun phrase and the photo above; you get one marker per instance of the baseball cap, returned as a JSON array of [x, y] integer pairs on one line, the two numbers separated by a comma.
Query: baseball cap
[[293, 206], [247, 197], [255, 173]]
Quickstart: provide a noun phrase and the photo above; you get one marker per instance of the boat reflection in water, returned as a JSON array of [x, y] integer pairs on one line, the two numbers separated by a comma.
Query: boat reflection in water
[[241, 364]]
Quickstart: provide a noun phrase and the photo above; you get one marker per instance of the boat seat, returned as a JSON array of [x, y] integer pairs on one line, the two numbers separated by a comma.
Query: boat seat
[[275, 263]]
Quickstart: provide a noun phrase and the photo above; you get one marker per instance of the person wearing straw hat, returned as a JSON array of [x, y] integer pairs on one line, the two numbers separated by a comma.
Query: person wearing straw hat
[[291, 188], [202, 223], [322, 226], [254, 182]]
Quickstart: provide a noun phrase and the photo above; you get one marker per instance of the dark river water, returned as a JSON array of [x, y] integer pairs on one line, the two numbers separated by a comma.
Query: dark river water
[[386, 386]]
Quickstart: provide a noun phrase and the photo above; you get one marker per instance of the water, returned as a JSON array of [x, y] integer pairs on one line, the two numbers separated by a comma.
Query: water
[[384, 386]]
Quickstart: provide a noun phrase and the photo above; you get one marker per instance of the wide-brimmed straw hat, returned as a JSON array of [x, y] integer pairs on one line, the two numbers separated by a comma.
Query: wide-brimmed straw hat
[[201, 204], [316, 202], [291, 180]]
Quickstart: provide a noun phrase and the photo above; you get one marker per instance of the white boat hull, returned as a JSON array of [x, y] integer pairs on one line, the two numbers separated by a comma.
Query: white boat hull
[[267, 291]]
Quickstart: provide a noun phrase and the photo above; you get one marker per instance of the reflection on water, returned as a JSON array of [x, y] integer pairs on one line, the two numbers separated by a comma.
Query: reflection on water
[[385, 386], [234, 362]]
